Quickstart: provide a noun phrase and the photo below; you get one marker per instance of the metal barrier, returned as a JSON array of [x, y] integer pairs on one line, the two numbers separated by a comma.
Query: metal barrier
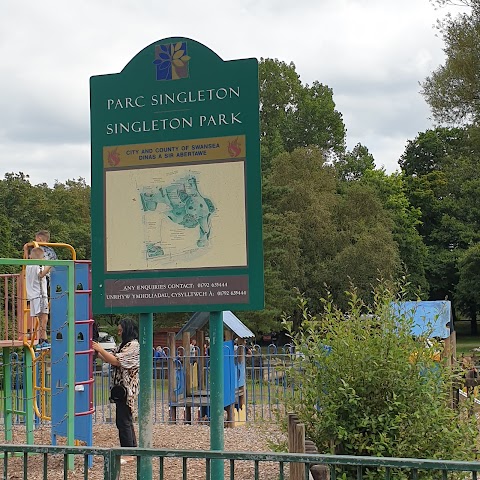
[[196, 464], [265, 385]]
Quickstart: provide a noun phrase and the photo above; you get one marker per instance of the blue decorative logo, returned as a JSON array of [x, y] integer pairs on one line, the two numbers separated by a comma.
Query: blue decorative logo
[[171, 61]]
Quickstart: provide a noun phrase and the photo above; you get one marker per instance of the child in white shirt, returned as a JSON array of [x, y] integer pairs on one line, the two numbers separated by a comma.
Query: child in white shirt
[[36, 283]]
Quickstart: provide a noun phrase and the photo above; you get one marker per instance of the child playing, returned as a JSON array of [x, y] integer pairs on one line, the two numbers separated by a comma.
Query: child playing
[[36, 283]]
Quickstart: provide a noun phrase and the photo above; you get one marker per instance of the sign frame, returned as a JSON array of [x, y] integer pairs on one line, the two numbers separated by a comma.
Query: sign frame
[[204, 113]]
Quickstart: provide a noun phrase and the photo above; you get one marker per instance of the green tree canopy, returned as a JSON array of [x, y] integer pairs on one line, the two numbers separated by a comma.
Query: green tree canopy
[[353, 165], [406, 218], [453, 90], [317, 234], [442, 180], [294, 115], [64, 210], [467, 291]]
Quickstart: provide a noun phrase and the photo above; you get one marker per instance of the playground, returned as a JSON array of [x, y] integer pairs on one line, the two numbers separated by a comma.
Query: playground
[[35, 398], [35, 402]]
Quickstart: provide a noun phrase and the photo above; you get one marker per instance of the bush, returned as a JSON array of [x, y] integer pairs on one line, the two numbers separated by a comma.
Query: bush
[[369, 388]]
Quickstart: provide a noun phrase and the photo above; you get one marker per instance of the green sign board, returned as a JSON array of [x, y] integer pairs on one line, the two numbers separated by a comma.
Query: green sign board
[[176, 183]]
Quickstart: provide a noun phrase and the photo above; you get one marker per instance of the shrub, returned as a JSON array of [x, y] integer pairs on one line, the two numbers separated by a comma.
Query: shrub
[[367, 387]]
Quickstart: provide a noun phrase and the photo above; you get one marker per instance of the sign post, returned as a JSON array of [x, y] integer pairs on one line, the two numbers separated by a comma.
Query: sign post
[[176, 194], [145, 403], [216, 391]]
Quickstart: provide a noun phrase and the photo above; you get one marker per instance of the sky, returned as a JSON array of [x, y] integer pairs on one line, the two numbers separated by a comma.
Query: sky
[[372, 53]]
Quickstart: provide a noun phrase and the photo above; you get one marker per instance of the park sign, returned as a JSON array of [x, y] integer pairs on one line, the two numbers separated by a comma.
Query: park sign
[[176, 183]]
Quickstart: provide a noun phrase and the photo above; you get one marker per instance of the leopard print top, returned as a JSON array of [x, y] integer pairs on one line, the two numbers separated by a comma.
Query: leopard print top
[[127, 373]]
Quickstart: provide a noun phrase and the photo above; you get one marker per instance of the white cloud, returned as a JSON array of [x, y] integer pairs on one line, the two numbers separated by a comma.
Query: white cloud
[[372, 53]]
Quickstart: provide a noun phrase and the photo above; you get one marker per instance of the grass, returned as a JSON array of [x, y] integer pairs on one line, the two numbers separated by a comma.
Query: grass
[[465, 341]]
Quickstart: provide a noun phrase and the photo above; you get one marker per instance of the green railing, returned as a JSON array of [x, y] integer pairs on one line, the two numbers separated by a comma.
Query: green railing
[[51, 462]]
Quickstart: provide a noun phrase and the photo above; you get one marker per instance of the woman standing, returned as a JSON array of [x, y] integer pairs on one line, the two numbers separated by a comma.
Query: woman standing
[[125, 361]]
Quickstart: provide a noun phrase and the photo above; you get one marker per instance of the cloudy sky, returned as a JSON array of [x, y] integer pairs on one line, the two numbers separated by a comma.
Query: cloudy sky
[[372, 53]]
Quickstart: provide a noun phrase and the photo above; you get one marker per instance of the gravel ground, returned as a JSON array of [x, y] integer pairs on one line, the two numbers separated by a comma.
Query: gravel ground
[[255, 438]]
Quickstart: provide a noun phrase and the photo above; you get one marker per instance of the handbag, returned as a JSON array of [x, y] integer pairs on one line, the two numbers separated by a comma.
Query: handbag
[[118, 393]]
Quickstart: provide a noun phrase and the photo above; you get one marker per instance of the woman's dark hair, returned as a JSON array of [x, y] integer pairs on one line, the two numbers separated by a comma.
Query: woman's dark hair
[[129, 330]]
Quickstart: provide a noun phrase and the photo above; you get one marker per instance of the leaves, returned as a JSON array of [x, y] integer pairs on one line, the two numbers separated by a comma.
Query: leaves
[[442, 180], [64, 210], [294, 115], [453, 90], [364, 394], [316, 234]]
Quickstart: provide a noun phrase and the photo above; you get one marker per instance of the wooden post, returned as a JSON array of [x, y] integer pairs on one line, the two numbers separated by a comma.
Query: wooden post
[[172, 379], [290, 427], [299, 448], [292, 422], [296, 444], [449, 353], [453, 345], [188, 414]]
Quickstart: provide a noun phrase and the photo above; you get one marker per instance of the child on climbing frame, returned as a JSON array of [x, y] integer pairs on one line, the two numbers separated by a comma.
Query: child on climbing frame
[[36, 283]]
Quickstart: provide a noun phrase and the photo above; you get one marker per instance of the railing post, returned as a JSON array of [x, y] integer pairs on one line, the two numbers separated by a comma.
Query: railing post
[[111, 466], [7, 399]]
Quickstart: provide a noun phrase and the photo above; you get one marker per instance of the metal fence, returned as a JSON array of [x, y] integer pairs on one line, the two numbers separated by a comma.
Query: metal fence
[[264, 385], [49, 462], [260, 397]]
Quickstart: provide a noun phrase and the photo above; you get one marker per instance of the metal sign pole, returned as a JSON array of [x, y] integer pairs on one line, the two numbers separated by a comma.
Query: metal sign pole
[[216, 392], [145, 413]]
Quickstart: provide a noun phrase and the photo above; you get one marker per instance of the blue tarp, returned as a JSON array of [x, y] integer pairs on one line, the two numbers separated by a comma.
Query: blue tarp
[[433, 317]]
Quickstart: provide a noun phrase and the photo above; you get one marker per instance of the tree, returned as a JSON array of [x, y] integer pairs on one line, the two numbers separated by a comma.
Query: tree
[[453, 90], [359, 166], [294, 115], [406, 218], [70, 222], [24, 206], [442, 180], [63, 209], [299, 194], [442, 3], [467, 292], [365, 386], [364, 248], [353, 165], [282, 246], [317, 235], [6, 245]]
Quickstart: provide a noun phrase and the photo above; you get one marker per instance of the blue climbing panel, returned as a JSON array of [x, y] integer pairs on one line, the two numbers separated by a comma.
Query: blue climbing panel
[[229, 373], [60, 357]]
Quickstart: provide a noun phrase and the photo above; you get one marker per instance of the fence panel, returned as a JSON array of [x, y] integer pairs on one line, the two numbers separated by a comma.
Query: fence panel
[[50, 463], [258, 396]]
